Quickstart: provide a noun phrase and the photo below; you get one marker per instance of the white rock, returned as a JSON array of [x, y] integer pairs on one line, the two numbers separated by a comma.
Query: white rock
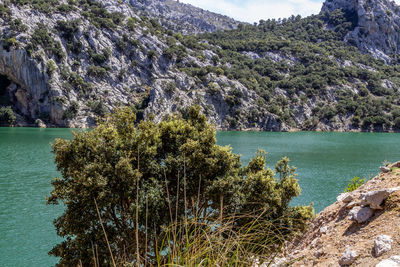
[[387, 263], [345, 197], [39, 123], [375, 198], [324, 230], [383, 244], [348, 257], [352, 205], [360, 215], [384, 169], [393, 261]]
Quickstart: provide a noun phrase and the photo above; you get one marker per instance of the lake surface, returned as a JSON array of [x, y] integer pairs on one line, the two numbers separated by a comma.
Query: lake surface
[[325, 163]]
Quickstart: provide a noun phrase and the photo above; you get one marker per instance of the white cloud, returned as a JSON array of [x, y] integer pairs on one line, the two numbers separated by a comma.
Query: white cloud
[[255, 10]]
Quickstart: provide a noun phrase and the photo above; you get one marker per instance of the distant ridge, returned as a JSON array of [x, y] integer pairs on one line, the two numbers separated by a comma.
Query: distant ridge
[[184, 18]]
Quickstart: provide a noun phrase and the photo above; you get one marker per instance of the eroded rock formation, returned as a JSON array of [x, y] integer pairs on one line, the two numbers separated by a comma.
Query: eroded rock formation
[[377, 30]]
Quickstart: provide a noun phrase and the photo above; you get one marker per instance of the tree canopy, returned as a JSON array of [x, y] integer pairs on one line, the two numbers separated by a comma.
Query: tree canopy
[[144, 177]]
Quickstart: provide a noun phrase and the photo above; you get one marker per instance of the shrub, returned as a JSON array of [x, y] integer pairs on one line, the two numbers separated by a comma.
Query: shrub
[[10, 42], [68, 28], [98, 108], [5, 12], [152, 54], [100, 58], [18, 26], [51, 67], [71, 112], [41, 37], [7, 116], [96, 71], [129, 182], [74, 80], [355, 183]]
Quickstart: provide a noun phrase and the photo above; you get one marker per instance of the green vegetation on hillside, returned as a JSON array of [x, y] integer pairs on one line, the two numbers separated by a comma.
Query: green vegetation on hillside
[[311, 58], [296, 66], [355, 183], [125, 185]]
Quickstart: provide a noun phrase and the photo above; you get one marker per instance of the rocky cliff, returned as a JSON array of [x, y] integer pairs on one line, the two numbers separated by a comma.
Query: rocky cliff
[[99, 55], [378, 26], [68, 63]]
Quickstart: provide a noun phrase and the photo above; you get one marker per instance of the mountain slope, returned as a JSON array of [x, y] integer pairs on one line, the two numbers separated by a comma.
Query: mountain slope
[[183, 18], [66, 63]]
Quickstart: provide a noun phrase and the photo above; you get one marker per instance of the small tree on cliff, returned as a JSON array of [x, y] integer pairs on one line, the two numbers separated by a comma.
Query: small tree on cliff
[[141, 178]]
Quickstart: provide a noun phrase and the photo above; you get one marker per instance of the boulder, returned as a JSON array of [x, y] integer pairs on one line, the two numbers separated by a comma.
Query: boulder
[[39, 123], [393, 261], [383, 244], [384, 169], [345, 197], [375, 198], [360, 215], [349, 257]]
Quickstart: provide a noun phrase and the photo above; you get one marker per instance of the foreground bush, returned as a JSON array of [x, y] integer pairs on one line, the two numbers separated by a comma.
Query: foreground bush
[[125, 186]]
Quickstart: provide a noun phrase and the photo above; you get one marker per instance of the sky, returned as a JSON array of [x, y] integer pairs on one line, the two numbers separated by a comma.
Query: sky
[[255, 10]]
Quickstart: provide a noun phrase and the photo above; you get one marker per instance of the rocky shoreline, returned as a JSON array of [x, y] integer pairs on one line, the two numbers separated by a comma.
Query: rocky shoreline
[[359, 229]]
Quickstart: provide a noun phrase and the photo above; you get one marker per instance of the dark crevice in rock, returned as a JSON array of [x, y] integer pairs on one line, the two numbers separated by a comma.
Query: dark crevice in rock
[[4, 96]]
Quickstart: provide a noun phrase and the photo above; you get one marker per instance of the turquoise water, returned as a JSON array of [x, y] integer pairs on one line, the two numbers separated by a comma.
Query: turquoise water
[[325, 162]]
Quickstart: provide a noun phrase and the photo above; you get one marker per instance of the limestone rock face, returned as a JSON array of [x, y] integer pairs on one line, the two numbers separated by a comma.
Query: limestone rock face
[[29, 83], [378, 26]]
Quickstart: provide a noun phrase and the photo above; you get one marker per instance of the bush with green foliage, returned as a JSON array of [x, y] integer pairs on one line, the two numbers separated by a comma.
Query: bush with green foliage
[[42, 38], [99, 16], [75, 81], [44, 6], [18, 26], [123, 184], [5, 12], [7, 116], [71, 112], [98, 108], [355, 183], [96, 71], [316, 54]]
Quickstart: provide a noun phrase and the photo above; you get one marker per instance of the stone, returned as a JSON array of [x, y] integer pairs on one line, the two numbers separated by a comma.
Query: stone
[[345, 197], [375, 198], [349, 257], [382, 244], [324, 230], [319, 253], [360, 215], [384, 169], [352, 204], [387, 263], [39, 123], [393, 261]]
